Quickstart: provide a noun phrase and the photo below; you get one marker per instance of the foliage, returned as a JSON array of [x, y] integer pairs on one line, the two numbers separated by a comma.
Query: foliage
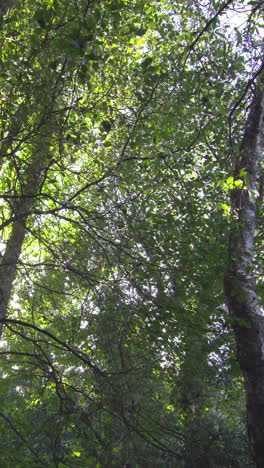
[[120, 125]]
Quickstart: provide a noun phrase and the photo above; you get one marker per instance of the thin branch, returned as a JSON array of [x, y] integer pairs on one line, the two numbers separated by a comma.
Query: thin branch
[[208, 24], [11, 425], [79, 354]]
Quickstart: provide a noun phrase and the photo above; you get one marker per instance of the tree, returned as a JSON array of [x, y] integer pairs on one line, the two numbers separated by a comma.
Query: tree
[[116, 155], [240, 279]]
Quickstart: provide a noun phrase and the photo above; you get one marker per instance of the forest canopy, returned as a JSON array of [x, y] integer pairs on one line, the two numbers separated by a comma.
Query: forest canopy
[[131, 261]]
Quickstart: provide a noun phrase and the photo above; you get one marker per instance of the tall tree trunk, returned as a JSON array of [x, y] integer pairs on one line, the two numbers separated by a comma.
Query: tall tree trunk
[[240, 284], [32, 180]]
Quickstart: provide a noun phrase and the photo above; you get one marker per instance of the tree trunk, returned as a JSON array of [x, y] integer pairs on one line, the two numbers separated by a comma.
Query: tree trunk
[[31, 182], [240, 285]]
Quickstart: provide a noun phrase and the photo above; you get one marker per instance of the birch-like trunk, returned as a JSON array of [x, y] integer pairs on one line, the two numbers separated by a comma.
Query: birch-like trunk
[[240, 284]]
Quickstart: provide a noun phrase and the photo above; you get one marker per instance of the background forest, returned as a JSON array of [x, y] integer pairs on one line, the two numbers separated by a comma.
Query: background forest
[[121, 124]]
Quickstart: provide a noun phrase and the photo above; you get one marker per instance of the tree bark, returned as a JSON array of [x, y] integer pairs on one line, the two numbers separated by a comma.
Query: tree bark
[[31, 182], [240, 284]]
